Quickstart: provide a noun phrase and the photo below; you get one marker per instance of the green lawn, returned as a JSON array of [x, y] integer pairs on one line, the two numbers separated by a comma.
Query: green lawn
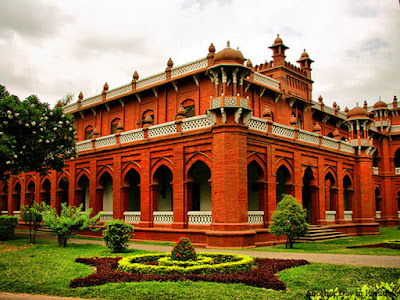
[[47, 269], [338, 246]]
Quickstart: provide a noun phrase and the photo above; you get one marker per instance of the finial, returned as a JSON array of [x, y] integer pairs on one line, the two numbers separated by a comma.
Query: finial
[[334, 104], [59, 104], [249, 64], [320, 99], [80, 96], [170, 63], [277, 35], [346, 110], [228, 44], [211, 49], [135, 75], [105, 87]]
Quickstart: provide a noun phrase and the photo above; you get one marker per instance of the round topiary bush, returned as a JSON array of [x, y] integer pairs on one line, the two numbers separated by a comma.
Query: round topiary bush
[[183, 250], [222, 263]]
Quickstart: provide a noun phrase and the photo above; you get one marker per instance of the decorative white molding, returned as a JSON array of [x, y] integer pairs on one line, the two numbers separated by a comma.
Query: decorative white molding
[[255, 217], [378, 214], [189, 67], [132, 216], [84, 145], [265, 80], [107, 140], [348, 215], [329, 142], [257, 124], [163, 217], [162, 129], [196, 122], [330, 215], [283, 130], [200, 217], [132, 135], [308, 137], [106, 216], [375, 170]]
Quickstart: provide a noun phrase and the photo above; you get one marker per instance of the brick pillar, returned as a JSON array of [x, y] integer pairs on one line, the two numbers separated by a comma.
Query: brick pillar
[[263, 200], [321, 184], [188, 194], [146, 206], [98, 203], [271, 181], [124, 201], [334, 202], [229, 186], [93, 189], [315, 212], [340, 195], [297, 178], [10, 196], [53, 189], [72, 185], [179, 203], [118, 211]]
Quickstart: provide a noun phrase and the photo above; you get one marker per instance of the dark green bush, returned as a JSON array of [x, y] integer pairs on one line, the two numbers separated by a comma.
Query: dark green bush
[[7, 227], [183, 250], [392, 243], [32, 216], [117, 234]]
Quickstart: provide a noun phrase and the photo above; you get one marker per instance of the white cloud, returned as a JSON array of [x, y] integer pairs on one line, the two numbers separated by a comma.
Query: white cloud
[[69, 46]]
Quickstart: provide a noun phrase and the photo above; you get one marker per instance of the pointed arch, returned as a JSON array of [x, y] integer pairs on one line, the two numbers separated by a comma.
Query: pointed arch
[[44, 178], [199, 176], [255, 184], [132, 165], [283, 182], [61, 176], [256, 157], [104, 169], [82, 172], [198, 156], [162, 178], [159, 162], [284, 162], [331, 175]]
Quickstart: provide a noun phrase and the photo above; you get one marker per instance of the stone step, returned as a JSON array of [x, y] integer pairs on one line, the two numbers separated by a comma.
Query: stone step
[[320, 233]]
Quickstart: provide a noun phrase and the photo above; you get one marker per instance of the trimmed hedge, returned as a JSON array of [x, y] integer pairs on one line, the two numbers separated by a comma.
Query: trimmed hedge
[[392, 243], [223, 263], [201, 260], [7, 227], [262, 275]]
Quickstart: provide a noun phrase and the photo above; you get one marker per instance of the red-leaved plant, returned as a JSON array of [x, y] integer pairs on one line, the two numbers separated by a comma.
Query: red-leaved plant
[[183, 250]]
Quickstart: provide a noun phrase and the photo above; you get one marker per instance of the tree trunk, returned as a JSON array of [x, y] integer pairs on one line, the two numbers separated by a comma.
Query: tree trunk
[[62, 241]]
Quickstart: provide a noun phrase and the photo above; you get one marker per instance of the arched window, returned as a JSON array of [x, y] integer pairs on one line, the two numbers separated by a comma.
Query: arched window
[[397, 158], [114, 125], [88, 132], [189, 107], [375, 159]]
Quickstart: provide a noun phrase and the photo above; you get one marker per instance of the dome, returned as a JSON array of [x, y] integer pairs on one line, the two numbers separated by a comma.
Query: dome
[[228, 55], [357, 113], [304, 55], [380, 105], [278, 40]]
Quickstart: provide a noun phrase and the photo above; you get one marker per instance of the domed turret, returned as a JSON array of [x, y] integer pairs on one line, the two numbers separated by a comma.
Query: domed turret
[[357, 113], [229, 56], [380, 105]]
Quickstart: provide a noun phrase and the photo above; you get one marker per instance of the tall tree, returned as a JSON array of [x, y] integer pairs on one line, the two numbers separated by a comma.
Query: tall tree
[[33, 136]]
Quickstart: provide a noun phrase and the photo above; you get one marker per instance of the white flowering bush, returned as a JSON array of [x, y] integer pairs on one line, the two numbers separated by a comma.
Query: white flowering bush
[[33, 136]]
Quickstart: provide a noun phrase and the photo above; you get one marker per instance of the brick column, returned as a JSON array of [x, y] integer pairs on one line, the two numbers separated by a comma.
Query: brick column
[[146, 206], [118, 210], [93, 189], [179, 203], [271, 181]]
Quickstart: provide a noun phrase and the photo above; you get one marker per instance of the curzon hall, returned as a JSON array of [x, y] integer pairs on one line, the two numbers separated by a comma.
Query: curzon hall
[[207, 149]]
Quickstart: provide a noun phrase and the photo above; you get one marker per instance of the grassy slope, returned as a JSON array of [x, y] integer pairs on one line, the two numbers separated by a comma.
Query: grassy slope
[[338, 246], [47, 269]]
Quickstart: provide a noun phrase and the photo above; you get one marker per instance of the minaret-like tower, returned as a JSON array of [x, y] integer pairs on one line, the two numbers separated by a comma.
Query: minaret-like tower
[[278, 49], [305, 63]]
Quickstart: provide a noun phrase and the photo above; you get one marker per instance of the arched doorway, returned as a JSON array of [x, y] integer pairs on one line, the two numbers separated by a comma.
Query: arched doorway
[[30, 193], [330, 198], [82, 192], [348, 194], [309, 194], [16, 205], [164, 193], [131, 196], [105, 196], [397, 161], [283, 185], [199, 175], [255, 176], [378, 203], [4, 199], [45, 192], [62, 194]]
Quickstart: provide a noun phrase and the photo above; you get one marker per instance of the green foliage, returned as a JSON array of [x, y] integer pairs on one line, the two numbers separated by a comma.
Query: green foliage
[[392, 243], [289, 219], [201, 260], [33, 137], [223, 263], [382, 291], [70, 220], [7, 227], [32, 216], [117, 234], [183, 250]]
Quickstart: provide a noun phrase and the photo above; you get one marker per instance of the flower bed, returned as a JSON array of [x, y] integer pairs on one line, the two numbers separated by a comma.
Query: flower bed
[[379, 245], [262, 275]]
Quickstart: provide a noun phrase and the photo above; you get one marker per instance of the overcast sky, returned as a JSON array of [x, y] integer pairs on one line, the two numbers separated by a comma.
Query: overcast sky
[[51, 48]]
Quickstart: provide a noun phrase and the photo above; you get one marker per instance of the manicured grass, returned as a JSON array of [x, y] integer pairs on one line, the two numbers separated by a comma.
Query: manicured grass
[[45, 268], [338, 246]]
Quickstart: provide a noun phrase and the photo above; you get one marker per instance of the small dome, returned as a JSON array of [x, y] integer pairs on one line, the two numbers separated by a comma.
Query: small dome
[[317, 127], [293, 120], [181, 111], [357, 113], [105, 87], [304, 55], [59, 104], [380, 105], [278, 40], [228, 55], [148, 120], [267, 112], [320, 99]]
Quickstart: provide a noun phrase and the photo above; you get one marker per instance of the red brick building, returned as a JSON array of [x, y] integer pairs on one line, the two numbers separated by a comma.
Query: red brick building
[[207, 149]]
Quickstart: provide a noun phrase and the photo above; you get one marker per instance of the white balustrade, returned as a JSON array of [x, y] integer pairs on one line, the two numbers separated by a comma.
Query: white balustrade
[[104, 141], [255, 217], [344, 146], [163, 217], [257, 124], [84, 145], [162, 129], [283, 130], [199, 217], [216, 102], [4, 212], [131, 135], [266, 80], [330, 215], [397, 171], [119, 91], [151, 80], [348, 215], [70, 107], [378, 214], [106, 216], [243, 102], [375, 170], [354, 142], [92, 100], [17, 213], [196, 122], [132, 216], [308, 137], [230, 101], [395, 128], [190, 67], [329, 142]]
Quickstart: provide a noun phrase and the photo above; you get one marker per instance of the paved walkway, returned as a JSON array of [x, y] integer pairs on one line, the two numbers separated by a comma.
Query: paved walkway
[[362, 260]]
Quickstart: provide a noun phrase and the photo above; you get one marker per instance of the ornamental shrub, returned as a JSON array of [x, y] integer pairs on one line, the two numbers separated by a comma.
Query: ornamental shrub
[[7, 227], [117, 234], [69, 221], [183, 250], [32, 216], [392, 243], [289, 219]]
